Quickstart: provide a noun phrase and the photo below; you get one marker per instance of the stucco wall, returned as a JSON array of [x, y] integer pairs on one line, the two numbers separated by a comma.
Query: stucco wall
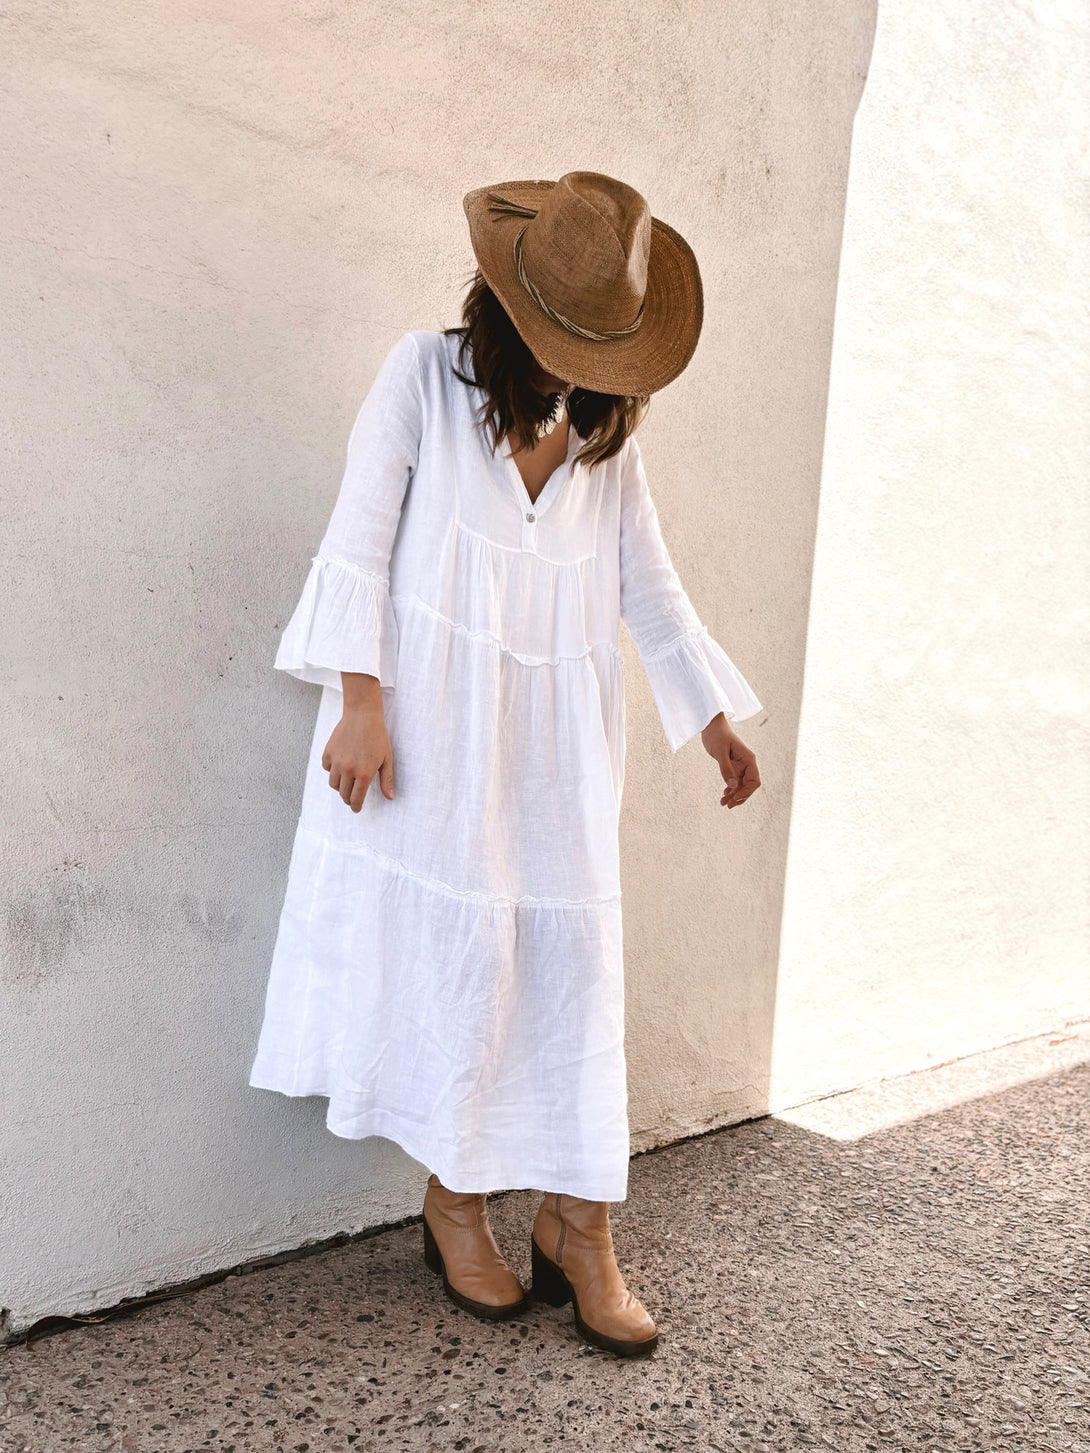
[[215, 224]]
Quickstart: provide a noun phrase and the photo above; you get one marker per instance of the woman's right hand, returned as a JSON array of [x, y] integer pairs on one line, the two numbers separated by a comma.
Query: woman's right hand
[[360, 745]]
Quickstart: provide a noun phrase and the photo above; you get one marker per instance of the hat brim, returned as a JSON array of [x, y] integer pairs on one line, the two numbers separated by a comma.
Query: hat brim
[[637, 363]]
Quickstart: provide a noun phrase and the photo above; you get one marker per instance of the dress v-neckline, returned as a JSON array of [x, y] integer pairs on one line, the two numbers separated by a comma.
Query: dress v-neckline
[[532, 509], [549, 490]]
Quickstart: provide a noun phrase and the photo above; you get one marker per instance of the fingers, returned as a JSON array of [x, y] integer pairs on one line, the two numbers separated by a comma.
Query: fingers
[[353, 783], [358, 793], [386, 777], [747, 779]]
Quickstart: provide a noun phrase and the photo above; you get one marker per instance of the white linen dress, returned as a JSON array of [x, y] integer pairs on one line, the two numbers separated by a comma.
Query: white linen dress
[[448, 964]]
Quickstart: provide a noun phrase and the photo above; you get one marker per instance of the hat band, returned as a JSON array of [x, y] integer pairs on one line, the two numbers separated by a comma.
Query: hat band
[[572, 327], [516, 209]]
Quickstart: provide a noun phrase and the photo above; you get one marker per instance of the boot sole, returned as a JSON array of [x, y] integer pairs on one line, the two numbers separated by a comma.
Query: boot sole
[[551, 1286], [433, 1260]]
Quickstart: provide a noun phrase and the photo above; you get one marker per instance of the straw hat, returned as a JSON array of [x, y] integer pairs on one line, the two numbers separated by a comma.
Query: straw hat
[[604, 295]]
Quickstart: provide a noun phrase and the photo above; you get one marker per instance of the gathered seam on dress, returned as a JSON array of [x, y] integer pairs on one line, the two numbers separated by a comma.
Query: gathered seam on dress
[[380, 582], [405, 597], [522, 550], [696, 634], [440, 886]]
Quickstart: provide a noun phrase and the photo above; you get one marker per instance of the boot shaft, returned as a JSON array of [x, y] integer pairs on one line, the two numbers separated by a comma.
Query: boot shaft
[[459, 1208], [569, 1221]]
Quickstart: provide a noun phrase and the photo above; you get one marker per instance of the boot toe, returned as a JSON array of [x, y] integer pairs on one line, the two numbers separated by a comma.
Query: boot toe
[[505, 1292], [492, 1297], [496, 1286], [630, 1322]]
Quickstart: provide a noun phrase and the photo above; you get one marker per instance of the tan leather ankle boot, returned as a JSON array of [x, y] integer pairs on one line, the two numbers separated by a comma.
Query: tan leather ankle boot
[[459, 1247], [572, 1250]]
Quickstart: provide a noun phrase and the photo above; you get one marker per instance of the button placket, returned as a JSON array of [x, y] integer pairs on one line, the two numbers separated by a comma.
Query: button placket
[[531, 509]]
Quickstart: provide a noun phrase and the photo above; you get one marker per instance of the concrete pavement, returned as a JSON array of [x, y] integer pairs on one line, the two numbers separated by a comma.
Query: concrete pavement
[[902, 1266]]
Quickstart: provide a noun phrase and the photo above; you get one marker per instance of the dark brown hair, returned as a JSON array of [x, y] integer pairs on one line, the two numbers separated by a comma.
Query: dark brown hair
[[503, 365]]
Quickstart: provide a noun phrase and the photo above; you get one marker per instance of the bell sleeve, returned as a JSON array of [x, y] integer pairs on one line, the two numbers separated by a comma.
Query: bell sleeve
[[344, 619], [692, 678]]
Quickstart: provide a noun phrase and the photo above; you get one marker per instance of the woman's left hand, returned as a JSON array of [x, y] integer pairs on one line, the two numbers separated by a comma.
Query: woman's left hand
[[736, 762]]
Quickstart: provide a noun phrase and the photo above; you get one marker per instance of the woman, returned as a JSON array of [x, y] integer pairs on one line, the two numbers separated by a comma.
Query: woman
[[448, 967]]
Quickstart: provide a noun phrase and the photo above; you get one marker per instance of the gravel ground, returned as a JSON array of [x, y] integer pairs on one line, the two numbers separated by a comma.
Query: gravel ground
[[903, 1266]]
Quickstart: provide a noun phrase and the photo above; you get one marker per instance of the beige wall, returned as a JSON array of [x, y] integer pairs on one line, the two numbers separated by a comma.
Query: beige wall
[[215, 223]]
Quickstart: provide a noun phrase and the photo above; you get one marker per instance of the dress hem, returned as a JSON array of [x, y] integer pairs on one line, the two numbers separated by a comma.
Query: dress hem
[[383, 1123]]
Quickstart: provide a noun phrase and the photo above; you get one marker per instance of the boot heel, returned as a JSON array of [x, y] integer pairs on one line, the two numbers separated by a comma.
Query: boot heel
[[550, 1285], [432, 1258]]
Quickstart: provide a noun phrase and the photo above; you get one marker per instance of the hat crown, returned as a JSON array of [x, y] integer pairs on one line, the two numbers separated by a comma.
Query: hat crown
[[603, 294], [586, 251]]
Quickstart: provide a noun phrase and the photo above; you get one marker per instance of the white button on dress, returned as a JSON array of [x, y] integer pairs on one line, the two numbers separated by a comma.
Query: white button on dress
[[448, 964]]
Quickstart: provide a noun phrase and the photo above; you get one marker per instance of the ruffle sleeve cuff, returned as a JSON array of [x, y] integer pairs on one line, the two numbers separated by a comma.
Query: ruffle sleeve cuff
[[344, 621], [693, 679]]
